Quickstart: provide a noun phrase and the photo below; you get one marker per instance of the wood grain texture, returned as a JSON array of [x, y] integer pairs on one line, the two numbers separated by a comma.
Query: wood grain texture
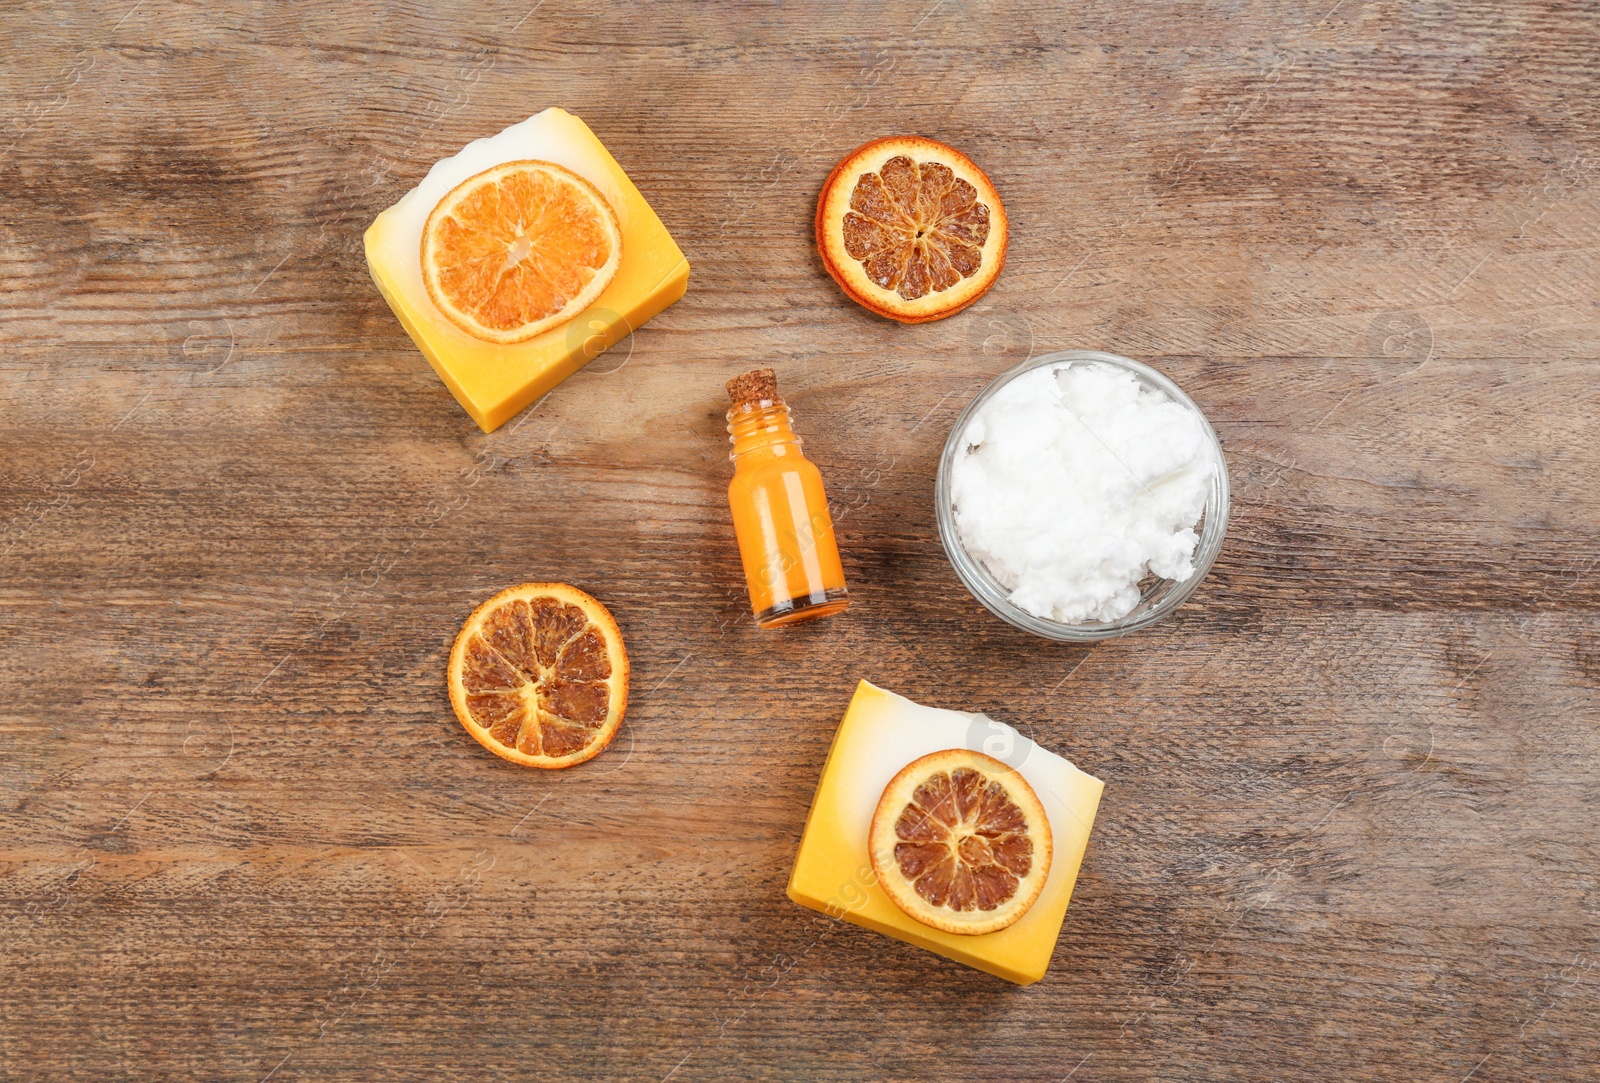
[[1348, 829]]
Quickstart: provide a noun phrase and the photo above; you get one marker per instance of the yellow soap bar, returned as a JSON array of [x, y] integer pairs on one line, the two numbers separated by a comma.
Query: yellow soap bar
[[880, 734], [493, 382]]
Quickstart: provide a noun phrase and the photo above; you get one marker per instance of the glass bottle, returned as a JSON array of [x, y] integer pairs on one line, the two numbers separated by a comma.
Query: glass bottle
[[780, 512]]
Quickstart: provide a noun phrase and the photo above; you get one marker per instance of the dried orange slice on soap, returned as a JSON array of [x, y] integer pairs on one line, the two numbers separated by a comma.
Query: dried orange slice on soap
[[960, 842], [911, 229], [519, 249], [538, 675]]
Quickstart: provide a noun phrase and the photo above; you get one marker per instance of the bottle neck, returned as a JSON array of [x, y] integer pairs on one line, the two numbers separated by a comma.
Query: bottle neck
[[760, 431]]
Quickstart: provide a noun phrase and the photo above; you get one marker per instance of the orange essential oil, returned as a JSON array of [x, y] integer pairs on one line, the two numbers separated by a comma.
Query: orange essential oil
[[780, 512]]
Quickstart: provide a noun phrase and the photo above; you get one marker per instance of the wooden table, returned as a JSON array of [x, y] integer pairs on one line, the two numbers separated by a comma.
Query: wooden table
[[1349, 826]]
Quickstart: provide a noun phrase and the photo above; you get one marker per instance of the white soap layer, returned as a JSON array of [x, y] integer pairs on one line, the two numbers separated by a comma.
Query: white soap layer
[[907, 731], [1075, 482]]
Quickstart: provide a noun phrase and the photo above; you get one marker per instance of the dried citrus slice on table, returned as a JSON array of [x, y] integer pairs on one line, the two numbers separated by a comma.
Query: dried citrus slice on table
[[960, 842], [538, 675], [911, 229], [519, 249]]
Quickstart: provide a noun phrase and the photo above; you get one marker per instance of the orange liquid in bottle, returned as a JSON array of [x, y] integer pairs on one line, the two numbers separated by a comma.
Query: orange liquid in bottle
[[780, 513]]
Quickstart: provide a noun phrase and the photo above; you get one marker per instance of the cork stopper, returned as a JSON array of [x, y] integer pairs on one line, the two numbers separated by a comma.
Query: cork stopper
[[753, 386]]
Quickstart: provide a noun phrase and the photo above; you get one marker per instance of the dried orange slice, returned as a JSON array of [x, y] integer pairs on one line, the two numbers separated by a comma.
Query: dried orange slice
[[960, 842], [538, 675], [911, 229], [519, 249]]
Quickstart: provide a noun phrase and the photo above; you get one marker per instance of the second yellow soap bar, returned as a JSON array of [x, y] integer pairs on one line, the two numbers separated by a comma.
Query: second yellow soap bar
[[880, 734], [493, 382]]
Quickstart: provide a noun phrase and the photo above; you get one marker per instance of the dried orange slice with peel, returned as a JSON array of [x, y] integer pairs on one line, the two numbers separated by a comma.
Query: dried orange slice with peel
[[519, 249], [911, 229], [538, 675], [960, 842]]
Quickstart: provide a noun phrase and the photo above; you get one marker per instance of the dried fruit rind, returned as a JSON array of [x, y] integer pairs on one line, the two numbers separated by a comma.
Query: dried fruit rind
[[960, 842], [518, 249], [911, 229], [538, 675]]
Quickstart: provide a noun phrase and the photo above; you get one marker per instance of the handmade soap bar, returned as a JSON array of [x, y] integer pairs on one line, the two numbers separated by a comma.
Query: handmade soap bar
[[493, 382], [880, 734]]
